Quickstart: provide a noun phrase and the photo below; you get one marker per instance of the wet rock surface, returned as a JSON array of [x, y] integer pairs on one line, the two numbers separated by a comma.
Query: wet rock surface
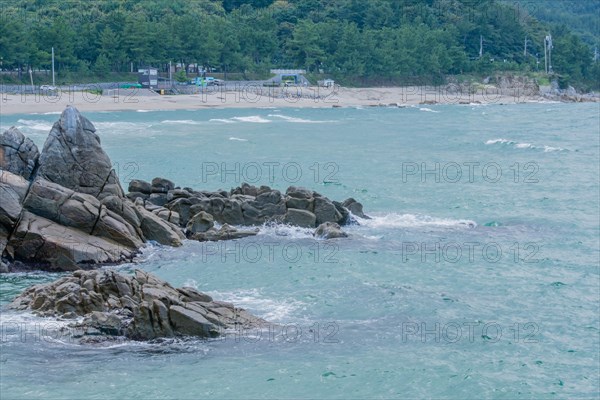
[[105, 303], [64, 209]]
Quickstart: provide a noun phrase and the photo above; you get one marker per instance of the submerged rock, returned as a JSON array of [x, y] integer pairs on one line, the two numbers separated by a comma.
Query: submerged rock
[[226, 232], [139, 307], [330, 230], [355, 208]]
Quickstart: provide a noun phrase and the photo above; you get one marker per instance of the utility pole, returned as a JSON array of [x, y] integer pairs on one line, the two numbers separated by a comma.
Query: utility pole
[[170, 76], [31, 78], [480, 46], [53, 82], [549, 38], [546, 54], [1, 75], [525, 50]]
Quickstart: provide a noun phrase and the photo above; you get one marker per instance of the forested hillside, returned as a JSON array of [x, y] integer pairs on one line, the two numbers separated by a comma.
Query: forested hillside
[[580, 16], [354, 41]]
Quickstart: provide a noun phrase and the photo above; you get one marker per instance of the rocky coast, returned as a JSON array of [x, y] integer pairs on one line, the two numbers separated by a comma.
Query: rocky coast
[[63, 209]]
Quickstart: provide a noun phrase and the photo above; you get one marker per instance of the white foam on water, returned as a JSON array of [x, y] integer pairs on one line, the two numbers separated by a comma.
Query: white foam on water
[[395, 220], [22, 325], [286, 231], [191, 283], [517, 145], [180, 121], [502, 141], [37, 125], [272, 310], [548, 149], [144, 111], [299, 120], [238, 139], [524, 146], [253, 118], [428, 110], [125, 126], [225, 121]]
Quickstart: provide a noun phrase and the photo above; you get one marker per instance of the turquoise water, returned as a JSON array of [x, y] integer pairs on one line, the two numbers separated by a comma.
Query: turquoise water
[[479, 285]]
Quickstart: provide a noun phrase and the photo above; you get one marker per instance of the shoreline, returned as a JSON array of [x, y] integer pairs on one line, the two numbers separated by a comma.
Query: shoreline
[[258, 97]]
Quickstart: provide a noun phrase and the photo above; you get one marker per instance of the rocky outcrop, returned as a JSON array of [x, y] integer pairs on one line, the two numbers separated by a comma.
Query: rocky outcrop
[[18, 154], [73, 157], [246, 205], [65, 209], [139, 307]]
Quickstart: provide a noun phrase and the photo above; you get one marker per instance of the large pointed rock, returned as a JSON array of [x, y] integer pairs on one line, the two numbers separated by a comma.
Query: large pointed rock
[[66, 209], [73, 157]]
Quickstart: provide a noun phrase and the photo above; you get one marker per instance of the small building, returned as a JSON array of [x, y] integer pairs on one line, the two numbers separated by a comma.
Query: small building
[[289, 77], [327, 83], [148, 77]]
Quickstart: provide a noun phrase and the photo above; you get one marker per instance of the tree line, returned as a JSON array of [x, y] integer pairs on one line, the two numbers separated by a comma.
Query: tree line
[[353, 41]]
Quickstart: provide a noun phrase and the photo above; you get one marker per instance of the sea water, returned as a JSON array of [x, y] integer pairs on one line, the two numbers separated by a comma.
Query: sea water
[[476, 276]]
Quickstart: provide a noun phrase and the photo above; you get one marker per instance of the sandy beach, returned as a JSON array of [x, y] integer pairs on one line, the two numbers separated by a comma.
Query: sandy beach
[[258, 97]]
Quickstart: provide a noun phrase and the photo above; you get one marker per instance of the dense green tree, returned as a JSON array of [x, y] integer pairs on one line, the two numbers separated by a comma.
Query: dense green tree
[[352, 40]]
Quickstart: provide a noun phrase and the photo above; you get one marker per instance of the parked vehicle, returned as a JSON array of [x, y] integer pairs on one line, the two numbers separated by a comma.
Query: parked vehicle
[[208, 81], [48, 88], [131, 86]]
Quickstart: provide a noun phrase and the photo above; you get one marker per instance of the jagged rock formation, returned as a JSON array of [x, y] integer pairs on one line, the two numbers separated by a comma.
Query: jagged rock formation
[[247, 205], [139, 307], [65, 207]]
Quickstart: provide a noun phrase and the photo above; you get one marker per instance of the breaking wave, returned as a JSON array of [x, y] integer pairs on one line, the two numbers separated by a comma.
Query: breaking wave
[[518, 145]]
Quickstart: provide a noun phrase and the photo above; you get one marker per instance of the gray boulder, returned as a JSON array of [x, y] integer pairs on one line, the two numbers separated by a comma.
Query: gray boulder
[[177, 194], [299, 192], [302, 218], [137, 185], [80, 211], [13, 189], [326, 211], [355, 208], [329, 230], [158, 199], [140, 307], [201, 222], [73, 157], [300, 203], [18, 154], [226, 232], [162, 185], [155, 228], [48, 245]]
